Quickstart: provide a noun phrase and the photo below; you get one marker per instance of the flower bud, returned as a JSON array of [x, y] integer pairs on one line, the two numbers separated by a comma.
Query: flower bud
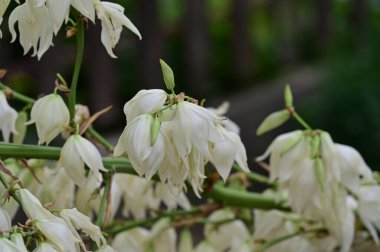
[[272, 121], [167, 72], [51, 116]]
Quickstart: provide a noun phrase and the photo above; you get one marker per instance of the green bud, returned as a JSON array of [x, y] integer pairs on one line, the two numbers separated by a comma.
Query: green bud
[[273, 121], [319, 171], [315, 145], [155, 129], [167, 72], [288, 96], [20, 128], [291, 142]]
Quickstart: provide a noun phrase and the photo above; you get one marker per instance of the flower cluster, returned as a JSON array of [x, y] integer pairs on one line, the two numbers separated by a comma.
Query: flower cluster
[[176, 137], [317, 175], [39, 20]]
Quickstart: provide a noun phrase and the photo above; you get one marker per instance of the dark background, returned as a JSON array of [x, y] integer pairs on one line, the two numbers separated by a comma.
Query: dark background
[[243, 51]]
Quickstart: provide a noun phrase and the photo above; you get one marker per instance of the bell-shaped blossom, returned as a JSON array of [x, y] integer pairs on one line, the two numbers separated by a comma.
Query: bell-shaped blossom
[[136, 141], [193, 127], [60, 9], [8, 117], [51, 116], [34, 25], [52, 227], [144, 102], [224, 153], [5, 220], [134, 239], [369, 209], [17, 239], [78, 221], [113, 19], [76, 152], [8, 246], [225, 236]]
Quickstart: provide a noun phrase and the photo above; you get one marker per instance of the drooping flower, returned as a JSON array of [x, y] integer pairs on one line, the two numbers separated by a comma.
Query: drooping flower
[[52, 227], [78, 221], [224, 153], [136, 141], [76, 152], [369, 209], [144, 102], [34, 25], [8, 117], [113, 20], [51, 116], [5, 221]]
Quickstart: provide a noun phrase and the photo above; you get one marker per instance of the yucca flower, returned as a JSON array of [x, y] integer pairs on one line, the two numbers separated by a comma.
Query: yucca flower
[[113, 19], [76, 152], [51, 116], [78, 221], [8, 117]]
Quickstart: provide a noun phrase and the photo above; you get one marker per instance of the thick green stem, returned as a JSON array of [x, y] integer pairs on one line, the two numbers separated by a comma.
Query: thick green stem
[[227, 196], [252, 175], [104, 202], [77, 67]]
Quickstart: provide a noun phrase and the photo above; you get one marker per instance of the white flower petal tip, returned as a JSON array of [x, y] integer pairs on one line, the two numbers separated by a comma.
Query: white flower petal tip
[[8, 117]]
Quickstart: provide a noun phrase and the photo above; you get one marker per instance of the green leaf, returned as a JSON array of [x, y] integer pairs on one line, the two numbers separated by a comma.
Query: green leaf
[[273, 121], [168, 74], [288, 96]]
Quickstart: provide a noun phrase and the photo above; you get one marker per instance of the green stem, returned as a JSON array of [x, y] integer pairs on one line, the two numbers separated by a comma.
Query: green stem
[[149, 221], [227, 196], [5, 183], [17, 95], [100, 139], [253, 175], [301, 121], [77, 67], [104, 201]]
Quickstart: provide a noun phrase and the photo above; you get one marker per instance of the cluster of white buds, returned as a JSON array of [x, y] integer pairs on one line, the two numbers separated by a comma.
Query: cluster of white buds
[[176, 137], [39, 20]]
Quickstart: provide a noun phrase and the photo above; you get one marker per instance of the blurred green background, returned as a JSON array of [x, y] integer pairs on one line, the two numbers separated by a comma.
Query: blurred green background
[[228, 50]]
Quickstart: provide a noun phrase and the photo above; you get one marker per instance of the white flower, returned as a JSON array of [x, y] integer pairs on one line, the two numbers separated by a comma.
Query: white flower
[[52, 227], [76, 152], [76, 220], [17, 239], [137, 143], [5, 221], [34, 25], [8, 246], [45, 247], [193, 127], [224, 153], [134, 239], [113, 20], [144, 102], [106, 248], [369, 209], [60, 9], [225, 236], [59, 186], [51, 116], [8, 117], [228, 124], [163, 237]]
